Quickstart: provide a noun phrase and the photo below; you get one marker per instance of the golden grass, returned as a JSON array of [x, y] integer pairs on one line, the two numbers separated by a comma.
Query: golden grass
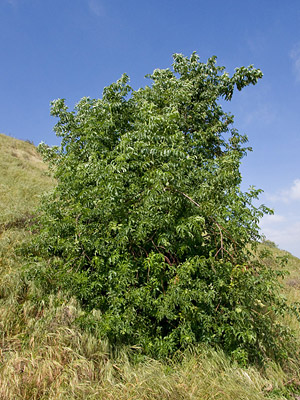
[[48, 357], [45, 355]]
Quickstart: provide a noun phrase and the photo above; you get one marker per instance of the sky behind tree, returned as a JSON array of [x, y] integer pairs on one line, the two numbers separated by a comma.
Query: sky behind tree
[[74, 48]]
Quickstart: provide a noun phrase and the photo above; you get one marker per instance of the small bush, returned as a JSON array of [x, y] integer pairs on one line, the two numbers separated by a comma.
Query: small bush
[[269, 243]]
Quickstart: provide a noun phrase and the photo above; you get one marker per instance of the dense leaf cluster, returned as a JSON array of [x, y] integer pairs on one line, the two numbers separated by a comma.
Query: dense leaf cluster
[[148, 223]]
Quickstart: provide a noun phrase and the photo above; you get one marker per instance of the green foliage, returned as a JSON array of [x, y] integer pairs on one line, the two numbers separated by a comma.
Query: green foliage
[[269, 243], [148, 223]]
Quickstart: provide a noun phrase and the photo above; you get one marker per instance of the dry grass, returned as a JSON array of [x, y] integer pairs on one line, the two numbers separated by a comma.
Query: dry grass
[[45, 355]]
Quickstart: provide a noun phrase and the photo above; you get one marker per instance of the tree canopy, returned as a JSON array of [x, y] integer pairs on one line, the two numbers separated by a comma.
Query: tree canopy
[[148, 223]]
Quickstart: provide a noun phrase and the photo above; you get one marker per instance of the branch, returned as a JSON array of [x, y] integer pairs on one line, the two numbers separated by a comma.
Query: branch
[[166, 258], [222, 249]]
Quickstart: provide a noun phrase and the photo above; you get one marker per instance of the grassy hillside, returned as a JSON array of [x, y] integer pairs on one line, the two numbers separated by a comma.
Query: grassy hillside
[[44, 354], [23, 178]]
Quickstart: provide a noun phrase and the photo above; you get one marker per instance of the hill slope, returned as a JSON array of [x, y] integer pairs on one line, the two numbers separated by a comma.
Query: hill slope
[[23, 178], [45, 354]]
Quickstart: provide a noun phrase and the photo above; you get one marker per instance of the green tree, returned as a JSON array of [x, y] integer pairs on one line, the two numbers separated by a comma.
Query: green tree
[[148, 223]]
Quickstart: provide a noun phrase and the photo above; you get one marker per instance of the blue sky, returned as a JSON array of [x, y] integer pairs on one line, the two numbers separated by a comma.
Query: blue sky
[[73, 48]]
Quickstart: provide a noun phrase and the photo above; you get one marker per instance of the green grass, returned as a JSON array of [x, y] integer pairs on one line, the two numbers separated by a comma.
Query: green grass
[[44, 354]]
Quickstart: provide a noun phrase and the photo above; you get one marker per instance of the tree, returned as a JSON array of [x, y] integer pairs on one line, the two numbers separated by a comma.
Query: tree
[[148, 223]]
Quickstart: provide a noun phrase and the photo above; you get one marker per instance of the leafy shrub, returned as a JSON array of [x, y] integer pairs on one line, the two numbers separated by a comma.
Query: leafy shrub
[[269, 243], [148, 223]]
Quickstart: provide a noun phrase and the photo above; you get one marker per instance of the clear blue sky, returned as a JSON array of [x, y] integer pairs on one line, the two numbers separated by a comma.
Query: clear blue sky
[[73, 48]]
